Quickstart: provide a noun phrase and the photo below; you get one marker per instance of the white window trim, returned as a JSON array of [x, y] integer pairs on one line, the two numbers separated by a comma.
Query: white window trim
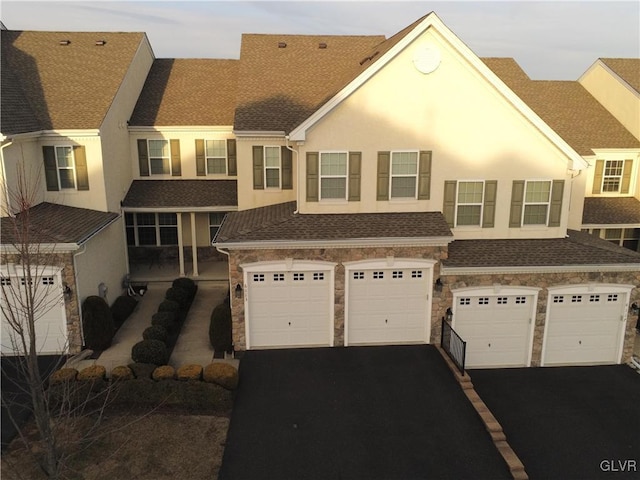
[[73, 167], [404, 175], [525, 203], [605, 176], [345, 176], [225, 158], [265, 168], [156, 225], [470, 204], [168, 157]]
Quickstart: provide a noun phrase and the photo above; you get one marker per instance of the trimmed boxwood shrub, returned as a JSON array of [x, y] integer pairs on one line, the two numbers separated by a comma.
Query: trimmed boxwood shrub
[[142, 370], [186, 284], [168, 306], [97, 323], [179, 295], [122, 308], [150, 351], [164, 319], [220, 330], [156, 332]]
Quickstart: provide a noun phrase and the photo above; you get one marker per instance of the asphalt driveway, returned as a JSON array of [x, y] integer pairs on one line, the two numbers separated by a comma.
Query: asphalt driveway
[[568, 422], [357, 412]]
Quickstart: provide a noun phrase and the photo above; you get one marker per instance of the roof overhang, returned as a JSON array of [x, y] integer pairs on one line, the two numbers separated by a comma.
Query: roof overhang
[[623, 267], [41, 248], [432, 21], [182, 128], [348, 243], [229, 208]]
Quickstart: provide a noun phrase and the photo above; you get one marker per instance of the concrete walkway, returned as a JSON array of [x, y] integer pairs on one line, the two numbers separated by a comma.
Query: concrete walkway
[[193, 345]]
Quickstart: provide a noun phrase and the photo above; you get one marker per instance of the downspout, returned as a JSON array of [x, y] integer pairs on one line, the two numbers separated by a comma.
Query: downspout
[[6, 142], [286, 139], [75, 278]]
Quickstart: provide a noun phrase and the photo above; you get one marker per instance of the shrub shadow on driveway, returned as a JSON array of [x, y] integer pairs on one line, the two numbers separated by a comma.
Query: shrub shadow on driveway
[[568, 422], [356, 412]]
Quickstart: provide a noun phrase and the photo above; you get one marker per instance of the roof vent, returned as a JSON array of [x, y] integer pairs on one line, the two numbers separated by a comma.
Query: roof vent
[[322, 45], [282, 44], [64, 42], [101, 43]]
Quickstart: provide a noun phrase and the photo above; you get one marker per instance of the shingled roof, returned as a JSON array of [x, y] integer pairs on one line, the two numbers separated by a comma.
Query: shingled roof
[[611, 211], [279, 223], [557, 102], [181, 92], [54, 224], [576, 249], [181, 194], [53, 77], [626, 68], [284, 78]]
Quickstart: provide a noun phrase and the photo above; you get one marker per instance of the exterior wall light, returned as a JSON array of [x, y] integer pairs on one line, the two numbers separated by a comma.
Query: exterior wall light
[[449, 315], [238, 291], [438, 286]]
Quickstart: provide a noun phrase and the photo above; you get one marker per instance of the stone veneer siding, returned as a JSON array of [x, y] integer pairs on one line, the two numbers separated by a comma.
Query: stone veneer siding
[[64, 260], [544, 280], [337, 255]]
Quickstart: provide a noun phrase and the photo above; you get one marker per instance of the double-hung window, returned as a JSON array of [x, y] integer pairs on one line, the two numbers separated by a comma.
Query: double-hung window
[[215, 220], [612, 176], [66, 167], [272, 167], [333, 175], [216, 155], [537, 198], [404, 174], [470, 198], [159, 159], [151, 229]]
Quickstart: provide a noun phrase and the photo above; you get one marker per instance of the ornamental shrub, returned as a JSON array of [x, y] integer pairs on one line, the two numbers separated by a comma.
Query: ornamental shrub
[[179, 295], [189, 372], [167, 320], [63, 375], [97, 323], [142, 370], [92, 372], [168, 306], [222, 374], [220, 330], [186, 284], [156, 332], [165, 372], [150, 351], [121, 373], [123, 306]]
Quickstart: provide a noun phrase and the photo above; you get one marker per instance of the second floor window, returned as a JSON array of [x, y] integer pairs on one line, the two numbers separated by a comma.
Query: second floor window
[[215, 220], [272, 167], [216, 154], [536, 202], [612, 177], [469, 203], [404, 174], [333, 175], [66, 167], [159, 160]]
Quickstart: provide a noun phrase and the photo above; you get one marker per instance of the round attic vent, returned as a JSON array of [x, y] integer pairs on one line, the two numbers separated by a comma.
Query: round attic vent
[[427, 59]]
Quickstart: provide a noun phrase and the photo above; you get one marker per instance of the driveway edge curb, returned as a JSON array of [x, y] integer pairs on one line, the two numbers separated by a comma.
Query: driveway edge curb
[[515, 465]]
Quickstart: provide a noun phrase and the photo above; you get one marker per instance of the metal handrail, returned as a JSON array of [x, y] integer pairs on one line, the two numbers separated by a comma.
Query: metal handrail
[[453, 344]]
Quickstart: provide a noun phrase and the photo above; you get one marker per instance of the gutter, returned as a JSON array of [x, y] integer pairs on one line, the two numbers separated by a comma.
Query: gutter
[[353, 243], [75, 279], [621, 267]]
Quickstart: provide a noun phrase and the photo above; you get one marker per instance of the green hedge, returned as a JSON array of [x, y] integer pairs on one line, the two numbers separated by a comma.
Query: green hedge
[[220, 330], [97, 323], [156, 332], [123, 306], [150, 351]]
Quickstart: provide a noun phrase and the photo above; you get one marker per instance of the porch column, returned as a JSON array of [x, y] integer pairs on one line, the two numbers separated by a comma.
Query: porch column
[[194, 244], [180, 244]]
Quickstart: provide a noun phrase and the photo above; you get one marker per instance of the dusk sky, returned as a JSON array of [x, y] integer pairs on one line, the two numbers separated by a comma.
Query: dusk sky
[[550, 40]]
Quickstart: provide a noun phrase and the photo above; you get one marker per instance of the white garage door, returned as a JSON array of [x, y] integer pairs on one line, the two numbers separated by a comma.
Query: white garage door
[[497, 329], [584, 328], [389, 306], [50, 317], [289, 309]]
